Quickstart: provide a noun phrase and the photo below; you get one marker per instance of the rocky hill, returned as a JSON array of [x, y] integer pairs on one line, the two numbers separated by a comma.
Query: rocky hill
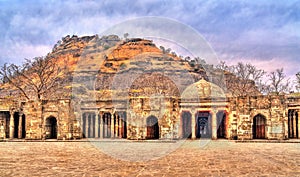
[[94, 64]]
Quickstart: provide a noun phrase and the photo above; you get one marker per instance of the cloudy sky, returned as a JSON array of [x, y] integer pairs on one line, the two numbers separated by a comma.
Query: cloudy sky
[[264, 33]]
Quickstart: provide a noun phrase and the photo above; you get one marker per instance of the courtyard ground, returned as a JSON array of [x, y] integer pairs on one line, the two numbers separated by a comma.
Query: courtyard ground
[[123, 158]]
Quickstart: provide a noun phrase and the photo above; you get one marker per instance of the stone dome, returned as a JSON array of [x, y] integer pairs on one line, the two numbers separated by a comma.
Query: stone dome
[[202, 90]]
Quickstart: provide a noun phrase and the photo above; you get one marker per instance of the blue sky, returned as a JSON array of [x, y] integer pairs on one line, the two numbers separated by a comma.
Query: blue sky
[[264, 33]]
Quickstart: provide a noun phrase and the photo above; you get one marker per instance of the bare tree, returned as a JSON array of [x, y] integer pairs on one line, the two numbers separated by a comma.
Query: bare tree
[[298, 81], [278, 82], [242, 79], [34, 78]]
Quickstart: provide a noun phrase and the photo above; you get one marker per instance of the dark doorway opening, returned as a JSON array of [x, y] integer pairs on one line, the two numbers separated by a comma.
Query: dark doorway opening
[[186, 120], [258, 128], [51, 128], [203, 125], [221, 124], [16, 124], [152, 128], [293, 131], [106, 125]]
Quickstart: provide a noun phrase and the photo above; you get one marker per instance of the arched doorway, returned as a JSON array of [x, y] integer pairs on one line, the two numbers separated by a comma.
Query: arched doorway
[[222, 124], [258, 127], [293, 131], [186, 124], [152, 128], [203, 125], [51, 128]]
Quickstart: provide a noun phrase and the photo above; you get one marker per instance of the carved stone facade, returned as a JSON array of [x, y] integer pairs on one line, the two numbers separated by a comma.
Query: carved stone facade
[[201, 111]]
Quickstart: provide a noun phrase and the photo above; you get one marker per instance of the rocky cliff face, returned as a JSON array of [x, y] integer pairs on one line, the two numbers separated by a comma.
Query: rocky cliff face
[[98, 65]]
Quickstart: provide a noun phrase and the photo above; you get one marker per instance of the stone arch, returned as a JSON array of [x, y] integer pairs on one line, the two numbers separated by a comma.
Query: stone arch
[[259, 127], [186, 123], [51, 127], [152, 128]]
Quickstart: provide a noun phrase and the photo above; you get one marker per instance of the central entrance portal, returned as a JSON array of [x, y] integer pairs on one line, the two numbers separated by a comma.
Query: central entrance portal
[[203, 125]]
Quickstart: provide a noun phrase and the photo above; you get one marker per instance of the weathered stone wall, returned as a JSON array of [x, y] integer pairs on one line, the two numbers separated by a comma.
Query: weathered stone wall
[[34, 126], [273, 108], [164, 109]]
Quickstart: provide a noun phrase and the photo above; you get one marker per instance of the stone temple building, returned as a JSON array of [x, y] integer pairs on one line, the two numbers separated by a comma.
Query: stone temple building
[[135, 91]]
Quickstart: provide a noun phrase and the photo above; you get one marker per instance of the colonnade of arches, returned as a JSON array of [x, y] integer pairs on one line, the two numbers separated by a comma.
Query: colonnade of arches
[[109, 125], [104, 125]]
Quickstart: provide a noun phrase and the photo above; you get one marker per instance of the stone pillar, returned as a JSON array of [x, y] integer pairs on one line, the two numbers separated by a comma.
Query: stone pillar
[[11, 126], [290, 124], [105, 125], [298, 126], [285, 124], [92, 126], [295, 125], [20, 126], [3, 127], [86, 132], [214, 125], [116, 125], [193, 126], [180, 127], [101, 125], [120, 126], [112, 125], [81, 125], [96, 125]]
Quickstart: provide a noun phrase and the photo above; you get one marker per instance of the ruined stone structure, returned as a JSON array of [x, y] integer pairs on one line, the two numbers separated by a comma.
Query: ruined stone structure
[[261, 117], [145, 94]]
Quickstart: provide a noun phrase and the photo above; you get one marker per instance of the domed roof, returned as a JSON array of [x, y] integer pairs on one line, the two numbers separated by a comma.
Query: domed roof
[[201, 90]]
